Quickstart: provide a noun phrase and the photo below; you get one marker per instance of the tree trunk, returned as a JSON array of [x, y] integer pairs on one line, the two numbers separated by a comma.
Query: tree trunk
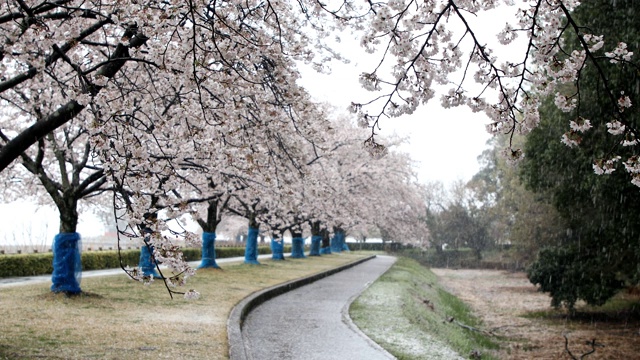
[[68, 215], [297, 245], [66, 264], [251, 248], [277, 248], [316, 239], [337, 242], [208, 251], [326, 242], [147, 263], [209, 237]]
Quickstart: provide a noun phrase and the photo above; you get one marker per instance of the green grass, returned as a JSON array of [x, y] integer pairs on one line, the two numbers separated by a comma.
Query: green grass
[[411, 316]]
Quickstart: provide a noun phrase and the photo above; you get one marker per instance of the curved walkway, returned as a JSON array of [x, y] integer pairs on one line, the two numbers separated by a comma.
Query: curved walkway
[[312, 321]]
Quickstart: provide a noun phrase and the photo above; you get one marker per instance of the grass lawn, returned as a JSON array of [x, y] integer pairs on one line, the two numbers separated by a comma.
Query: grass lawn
[[118, 318]]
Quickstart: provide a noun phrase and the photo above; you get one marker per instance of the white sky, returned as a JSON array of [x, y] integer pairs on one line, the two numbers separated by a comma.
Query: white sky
[[444, 142], [25, 224]]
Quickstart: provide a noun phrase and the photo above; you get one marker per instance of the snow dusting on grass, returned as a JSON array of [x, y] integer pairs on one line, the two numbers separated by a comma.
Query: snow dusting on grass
[[406, 313]]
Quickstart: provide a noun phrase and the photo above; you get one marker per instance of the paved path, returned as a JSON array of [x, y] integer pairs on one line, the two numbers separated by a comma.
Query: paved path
[[27, 280], [312, 321]]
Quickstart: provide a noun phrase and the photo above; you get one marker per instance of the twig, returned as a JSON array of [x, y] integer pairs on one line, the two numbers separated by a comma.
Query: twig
[[593, 344], [471, 328]]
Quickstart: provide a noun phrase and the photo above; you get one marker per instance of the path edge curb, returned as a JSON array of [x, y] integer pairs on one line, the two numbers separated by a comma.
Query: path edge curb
[[349, 322], [237, 349]]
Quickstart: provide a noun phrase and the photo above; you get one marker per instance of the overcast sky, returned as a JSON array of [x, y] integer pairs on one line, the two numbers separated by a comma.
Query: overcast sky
[[444, 142]]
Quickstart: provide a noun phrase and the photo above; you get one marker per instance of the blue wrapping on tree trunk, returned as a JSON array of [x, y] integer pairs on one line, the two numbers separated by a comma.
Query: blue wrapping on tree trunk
[[345, 247], [251, 249], [336, 242], [316, 241], [208, 251], [146, 263], [325, 250], [277, 249], [67, 265], [297, 248]]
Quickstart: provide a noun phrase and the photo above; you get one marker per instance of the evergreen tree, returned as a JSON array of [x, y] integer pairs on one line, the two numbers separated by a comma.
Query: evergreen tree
[[600, 252]]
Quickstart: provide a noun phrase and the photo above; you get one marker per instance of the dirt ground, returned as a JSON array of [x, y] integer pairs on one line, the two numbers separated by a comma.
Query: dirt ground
[[502, 299]]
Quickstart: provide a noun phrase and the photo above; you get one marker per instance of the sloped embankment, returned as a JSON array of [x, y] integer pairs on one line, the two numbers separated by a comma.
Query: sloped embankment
[[410, 315]]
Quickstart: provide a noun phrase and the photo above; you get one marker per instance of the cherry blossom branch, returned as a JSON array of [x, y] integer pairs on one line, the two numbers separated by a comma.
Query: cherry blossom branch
[[55, 56]]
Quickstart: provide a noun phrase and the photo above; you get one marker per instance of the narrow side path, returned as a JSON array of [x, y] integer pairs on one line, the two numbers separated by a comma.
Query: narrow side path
[[27, 280], [311, 322]]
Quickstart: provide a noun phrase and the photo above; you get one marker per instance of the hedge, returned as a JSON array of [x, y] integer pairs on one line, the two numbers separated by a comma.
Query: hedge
[[388, 246], [463, 258], [40, 264]]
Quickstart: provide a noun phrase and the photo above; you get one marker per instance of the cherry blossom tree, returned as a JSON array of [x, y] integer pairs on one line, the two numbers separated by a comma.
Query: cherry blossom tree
[[151, 111], [214, 211], [399, 201], [428, 51], [252, 211], [62, 170], [357, 191], [65, 168]]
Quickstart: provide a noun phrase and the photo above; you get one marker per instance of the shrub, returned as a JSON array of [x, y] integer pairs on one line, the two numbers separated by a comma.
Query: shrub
[[25, 264]]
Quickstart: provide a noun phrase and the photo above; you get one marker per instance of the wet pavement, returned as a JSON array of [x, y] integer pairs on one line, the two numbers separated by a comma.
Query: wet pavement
[[312, 322]]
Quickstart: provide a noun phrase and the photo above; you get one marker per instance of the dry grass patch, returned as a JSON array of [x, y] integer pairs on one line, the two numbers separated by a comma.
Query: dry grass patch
[[512, 308], [117, 318]]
